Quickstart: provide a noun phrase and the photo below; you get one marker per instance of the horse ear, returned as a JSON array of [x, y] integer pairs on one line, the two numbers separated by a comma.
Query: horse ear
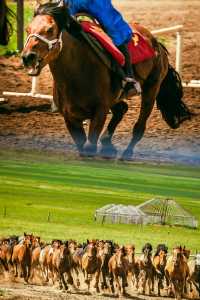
[[25, 234], [61, 3]]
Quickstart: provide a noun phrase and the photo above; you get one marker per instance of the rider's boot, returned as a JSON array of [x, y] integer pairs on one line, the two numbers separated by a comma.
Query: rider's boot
[[132, 86]]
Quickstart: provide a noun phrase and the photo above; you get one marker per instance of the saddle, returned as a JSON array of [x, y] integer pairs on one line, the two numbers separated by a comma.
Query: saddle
[[139, 48]]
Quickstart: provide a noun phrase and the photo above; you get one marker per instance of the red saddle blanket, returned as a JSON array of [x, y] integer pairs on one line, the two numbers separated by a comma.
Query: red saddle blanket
[[139, 49]]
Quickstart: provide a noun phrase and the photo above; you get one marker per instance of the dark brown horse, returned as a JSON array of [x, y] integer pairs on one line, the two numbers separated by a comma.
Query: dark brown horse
[[85, 88], [159, 262], [6, 28], [147, 270]]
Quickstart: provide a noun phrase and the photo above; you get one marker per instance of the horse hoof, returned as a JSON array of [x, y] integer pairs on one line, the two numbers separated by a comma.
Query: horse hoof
[[108, 152], [127, 155], [89, 150]]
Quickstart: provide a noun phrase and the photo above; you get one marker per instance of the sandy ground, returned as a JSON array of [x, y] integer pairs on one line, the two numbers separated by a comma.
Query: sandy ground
[[14, 289]]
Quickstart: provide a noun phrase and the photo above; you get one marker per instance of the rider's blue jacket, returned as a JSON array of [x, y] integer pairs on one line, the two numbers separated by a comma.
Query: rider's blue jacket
[[103, 10]]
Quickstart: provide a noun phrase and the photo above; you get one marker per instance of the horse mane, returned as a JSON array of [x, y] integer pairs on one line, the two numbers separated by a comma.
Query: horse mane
[[147, 246], [59, 13], [160, 247], [61, 16]]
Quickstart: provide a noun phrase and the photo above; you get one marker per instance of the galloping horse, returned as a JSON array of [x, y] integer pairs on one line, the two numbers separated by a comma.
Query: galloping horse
[[85, 88], [177, 272], [91, 265], [147, 270], [118, 269], [5, 25], [159, 262]]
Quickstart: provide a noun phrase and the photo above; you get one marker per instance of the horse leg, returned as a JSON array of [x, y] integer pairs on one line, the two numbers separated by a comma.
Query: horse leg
[[116, 279], [96, 285], [148, 100], [15, 268], [77, 132], [95, 128], [152, 282], [124, 283], [118, 111], [111, 279], [24, 271], [103, 283]]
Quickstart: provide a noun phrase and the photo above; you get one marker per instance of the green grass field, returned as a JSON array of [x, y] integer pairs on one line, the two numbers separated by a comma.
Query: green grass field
[[28, 14], [32, 185]]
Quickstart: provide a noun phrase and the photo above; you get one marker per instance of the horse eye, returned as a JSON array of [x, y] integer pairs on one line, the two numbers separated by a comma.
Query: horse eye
[[50, 30]]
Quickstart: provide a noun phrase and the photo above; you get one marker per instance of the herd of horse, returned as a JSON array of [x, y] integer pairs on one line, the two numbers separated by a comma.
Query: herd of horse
[[108, 266]]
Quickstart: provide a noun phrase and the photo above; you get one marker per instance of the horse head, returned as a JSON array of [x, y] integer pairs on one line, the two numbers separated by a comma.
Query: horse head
[[35, 242], [130, 253], [177, 256], [72, 245], [44, 40], [91, 250], [147, 253], [120, 254], [186, 252]]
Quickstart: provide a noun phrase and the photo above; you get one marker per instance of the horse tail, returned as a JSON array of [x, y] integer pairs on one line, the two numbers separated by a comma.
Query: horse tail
[[169, 100]]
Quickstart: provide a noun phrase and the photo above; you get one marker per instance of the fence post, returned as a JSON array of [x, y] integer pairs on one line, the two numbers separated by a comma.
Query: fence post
[[5, 211], [178, 52], [20, 24], [49, 217]]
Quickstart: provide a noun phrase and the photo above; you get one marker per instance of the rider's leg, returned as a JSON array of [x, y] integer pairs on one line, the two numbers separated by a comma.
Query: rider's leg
[[132, 86]]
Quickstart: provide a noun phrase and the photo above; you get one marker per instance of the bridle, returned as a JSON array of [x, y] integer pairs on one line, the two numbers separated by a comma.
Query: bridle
[[50, 43]]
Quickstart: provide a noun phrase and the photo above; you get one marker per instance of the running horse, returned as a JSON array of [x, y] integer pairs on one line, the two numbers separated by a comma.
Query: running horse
[[5, 24], [85, 88], [177, 273]]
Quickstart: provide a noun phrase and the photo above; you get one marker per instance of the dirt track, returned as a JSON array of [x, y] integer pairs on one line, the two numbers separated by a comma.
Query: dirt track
[[27, 123], [18, 290]]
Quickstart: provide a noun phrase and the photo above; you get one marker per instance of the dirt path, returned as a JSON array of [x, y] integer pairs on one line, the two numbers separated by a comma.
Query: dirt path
[[21, 291]]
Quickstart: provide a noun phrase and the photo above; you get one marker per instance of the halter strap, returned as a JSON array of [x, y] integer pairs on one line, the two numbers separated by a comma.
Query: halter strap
[[50, 43]]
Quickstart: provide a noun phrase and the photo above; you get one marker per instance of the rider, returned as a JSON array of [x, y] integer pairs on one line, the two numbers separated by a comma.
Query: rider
[[119, 31]]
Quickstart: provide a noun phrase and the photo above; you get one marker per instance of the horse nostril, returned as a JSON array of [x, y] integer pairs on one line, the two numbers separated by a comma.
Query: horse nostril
[[29, 58]]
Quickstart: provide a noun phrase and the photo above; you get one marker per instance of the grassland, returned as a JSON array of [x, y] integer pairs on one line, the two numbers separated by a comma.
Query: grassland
[[34, 185], [28, 14]]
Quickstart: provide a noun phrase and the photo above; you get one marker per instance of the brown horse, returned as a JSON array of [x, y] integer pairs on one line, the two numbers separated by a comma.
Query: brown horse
[[46, 258], [194, 267], [118, 269], [147, 270], [133, 266], [159, 262], [6, 250], [62, 263], [22, 257], [6, 28], [177, 272], [105, 252], [91, 265], [85, 88]]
